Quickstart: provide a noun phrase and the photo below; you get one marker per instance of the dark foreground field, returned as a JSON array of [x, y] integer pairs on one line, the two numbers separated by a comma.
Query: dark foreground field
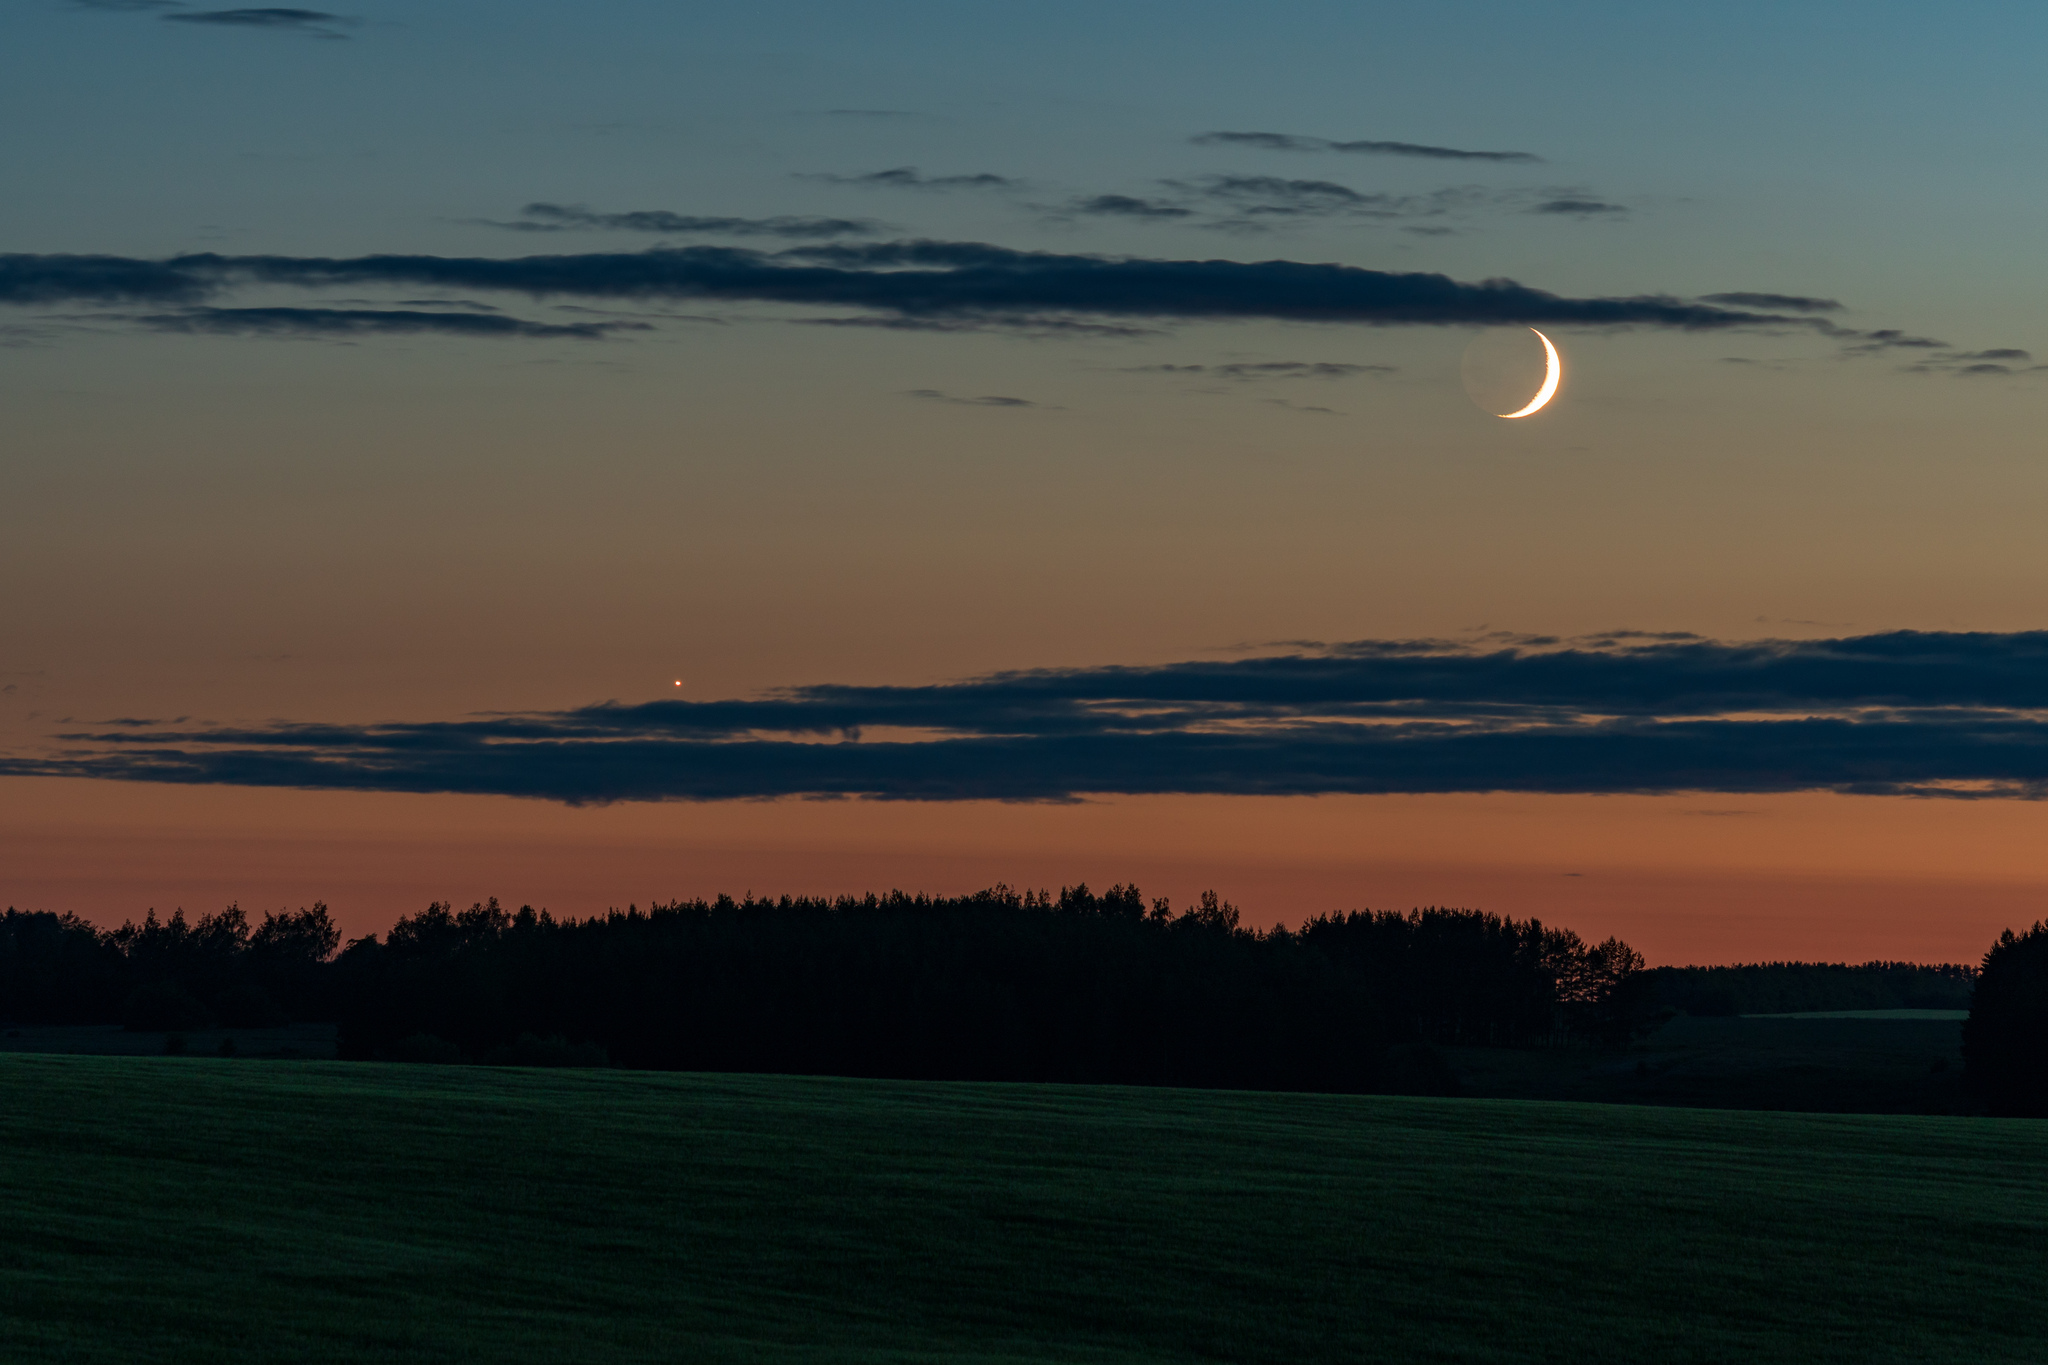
[[173, 1209], [1873, 1062], [1865, 1062]]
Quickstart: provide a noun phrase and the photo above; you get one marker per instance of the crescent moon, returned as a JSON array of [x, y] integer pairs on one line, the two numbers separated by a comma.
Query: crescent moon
[[1553, 372]]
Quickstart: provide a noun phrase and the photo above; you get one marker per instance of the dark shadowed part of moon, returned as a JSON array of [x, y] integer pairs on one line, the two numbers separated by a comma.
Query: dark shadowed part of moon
[[1503, 368]]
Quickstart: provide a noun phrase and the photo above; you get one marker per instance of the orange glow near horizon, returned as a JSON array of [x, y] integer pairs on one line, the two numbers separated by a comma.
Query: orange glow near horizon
[[1683, 878]]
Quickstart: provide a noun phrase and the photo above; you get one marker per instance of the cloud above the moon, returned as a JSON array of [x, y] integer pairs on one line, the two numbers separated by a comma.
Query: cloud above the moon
[[1907, 713], [916, 281], [352, 322]]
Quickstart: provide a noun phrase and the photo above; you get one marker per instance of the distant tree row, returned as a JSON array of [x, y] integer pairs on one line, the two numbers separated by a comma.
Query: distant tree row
[[997, 985], [168, 974], [1804, 987], [1463, 976]]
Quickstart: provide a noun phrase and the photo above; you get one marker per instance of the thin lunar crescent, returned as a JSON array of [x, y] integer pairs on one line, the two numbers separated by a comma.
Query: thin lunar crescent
[[1553, 372]]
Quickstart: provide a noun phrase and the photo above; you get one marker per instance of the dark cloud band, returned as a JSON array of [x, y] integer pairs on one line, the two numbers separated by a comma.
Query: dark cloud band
[[1905, 713], [345, 322], [917, 279]]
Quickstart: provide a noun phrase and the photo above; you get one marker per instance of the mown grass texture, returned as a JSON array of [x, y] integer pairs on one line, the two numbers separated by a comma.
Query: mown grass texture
[[175, 1209]]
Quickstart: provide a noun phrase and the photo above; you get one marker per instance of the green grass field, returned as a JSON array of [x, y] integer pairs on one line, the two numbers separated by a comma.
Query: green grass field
[[173, 1209]]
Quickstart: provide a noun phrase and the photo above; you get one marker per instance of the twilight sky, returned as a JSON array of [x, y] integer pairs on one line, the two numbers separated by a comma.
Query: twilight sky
[[600, 453]]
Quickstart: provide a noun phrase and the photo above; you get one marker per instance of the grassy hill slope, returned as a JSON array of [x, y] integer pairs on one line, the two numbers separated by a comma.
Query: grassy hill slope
[[176, 1209]]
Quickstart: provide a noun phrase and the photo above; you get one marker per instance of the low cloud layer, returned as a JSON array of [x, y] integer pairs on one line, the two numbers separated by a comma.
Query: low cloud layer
[[1934, 715]]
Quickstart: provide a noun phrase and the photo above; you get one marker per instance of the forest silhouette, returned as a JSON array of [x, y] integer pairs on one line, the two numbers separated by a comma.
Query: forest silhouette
[[998, 985]]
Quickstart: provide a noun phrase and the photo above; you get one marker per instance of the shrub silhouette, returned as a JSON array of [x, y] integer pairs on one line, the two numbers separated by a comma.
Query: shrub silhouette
[[2005, 1039]]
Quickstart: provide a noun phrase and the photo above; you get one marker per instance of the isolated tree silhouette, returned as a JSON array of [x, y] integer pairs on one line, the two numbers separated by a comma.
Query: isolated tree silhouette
[[2005, 1039]]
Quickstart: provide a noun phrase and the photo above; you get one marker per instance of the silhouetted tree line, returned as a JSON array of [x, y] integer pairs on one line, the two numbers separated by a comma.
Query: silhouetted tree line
[[169, 974], [997, 985], [1799, 987], [1463, 976], [2005, 1039]]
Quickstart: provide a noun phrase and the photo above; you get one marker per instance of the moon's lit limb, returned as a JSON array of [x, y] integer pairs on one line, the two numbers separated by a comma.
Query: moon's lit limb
[[1553, 371]]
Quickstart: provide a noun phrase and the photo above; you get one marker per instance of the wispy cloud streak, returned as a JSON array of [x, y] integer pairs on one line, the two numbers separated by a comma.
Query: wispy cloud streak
[[317, 22], [1294, 142], [575, 218], [911, 178]]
